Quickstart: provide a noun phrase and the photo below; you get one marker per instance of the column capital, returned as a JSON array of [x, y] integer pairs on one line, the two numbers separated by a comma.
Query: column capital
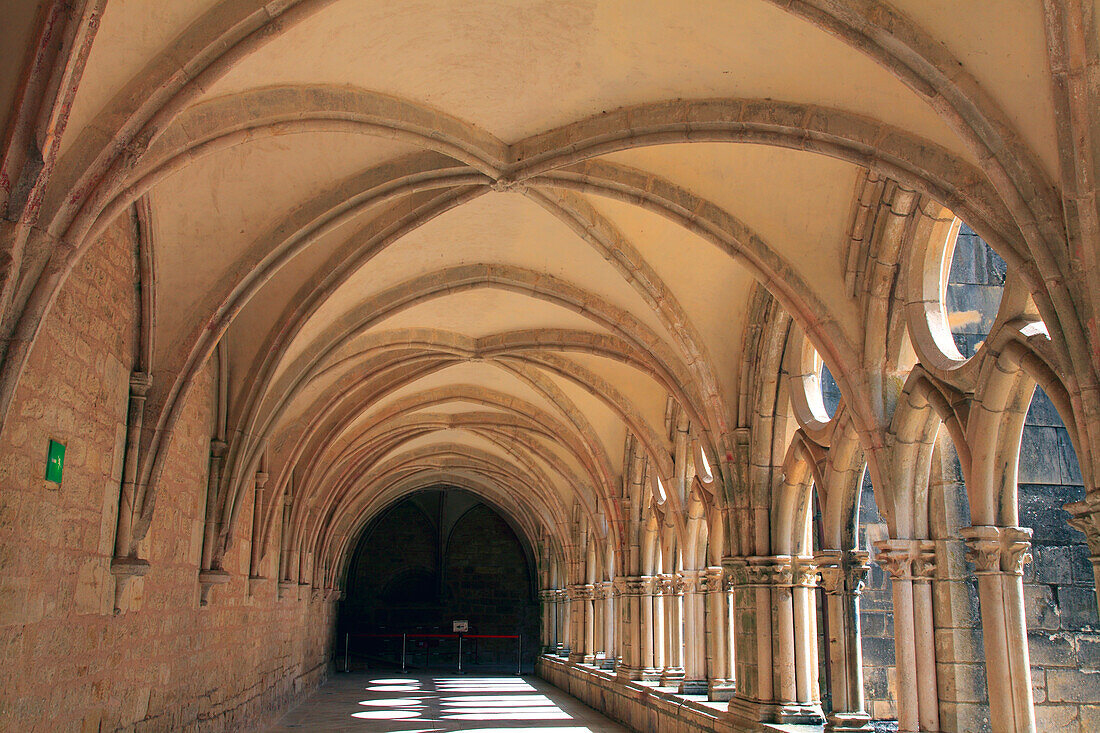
[[634, 585], [997, 549], [669, 584], [843, 572], [804, 571], [770, 570], [714, 580], [1085, 518], [692, 581], [907, 559], [579, 592]]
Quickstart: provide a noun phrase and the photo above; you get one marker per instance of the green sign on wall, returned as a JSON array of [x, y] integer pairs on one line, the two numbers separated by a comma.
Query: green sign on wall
[[55, 462]]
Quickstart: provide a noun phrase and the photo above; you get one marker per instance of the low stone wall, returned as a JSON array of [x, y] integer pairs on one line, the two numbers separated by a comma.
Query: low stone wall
[[638, 705]]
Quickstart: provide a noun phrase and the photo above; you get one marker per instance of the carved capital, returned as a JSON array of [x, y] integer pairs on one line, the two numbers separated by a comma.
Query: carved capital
[[773, 571], [692, 581], [997, 549], [843, 572], [714, 580], [635, 585], [668, 584], [580, 592], [907, 559], [804, 572], [1085, 518]]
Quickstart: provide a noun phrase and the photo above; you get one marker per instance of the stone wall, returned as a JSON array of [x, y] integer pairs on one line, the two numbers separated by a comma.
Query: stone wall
[[166, 663]]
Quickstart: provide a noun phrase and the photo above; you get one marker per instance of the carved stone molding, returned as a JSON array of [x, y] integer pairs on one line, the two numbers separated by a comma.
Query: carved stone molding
[[843, 572], [907, 559], [995, 550]]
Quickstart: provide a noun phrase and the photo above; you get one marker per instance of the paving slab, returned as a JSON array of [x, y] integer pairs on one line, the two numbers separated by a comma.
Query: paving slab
[[404, 703]]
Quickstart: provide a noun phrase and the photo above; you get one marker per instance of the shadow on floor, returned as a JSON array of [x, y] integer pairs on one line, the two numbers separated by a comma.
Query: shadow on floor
[[446, 702]]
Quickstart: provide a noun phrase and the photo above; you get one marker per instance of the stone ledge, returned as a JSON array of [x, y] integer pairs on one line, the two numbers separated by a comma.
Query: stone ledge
[[645, 706]]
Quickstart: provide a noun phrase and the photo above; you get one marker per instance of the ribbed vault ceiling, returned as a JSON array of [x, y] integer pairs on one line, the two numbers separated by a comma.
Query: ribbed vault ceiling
[[433, 249]]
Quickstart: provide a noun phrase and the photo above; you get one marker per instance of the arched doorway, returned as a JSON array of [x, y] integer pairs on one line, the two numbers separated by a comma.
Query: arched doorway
[[428, 563]]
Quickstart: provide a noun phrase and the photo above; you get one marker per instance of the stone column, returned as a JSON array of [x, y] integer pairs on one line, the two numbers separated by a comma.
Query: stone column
[[768, 692], [719, 659], [843, 573], [256, 546], [911, 565], [999, 554], [635, 638], [588, 601], [672, 599], [561, 640], [804, 582], [1086, 519], [575, 594], [656, 629], [609, 641], [546, 640], [695, 635], [599, 646]]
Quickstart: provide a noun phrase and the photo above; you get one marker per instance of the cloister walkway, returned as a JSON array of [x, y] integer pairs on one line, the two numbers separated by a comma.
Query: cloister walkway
[[377, 702]]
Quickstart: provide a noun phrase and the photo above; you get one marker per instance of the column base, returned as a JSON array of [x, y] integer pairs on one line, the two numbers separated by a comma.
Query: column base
[[693, 687], [576, 657], [849, 723], [606, 663], [720, 690], [670, 677], [637, 674], [758, 711]]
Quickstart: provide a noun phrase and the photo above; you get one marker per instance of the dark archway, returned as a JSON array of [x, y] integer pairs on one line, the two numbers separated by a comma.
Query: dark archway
[[435, 557]]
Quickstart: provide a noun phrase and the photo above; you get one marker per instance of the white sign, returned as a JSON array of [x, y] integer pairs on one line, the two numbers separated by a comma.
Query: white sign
[[461, 627]]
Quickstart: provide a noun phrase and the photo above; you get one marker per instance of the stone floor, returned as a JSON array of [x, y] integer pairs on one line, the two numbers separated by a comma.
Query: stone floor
[[422, 703]]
